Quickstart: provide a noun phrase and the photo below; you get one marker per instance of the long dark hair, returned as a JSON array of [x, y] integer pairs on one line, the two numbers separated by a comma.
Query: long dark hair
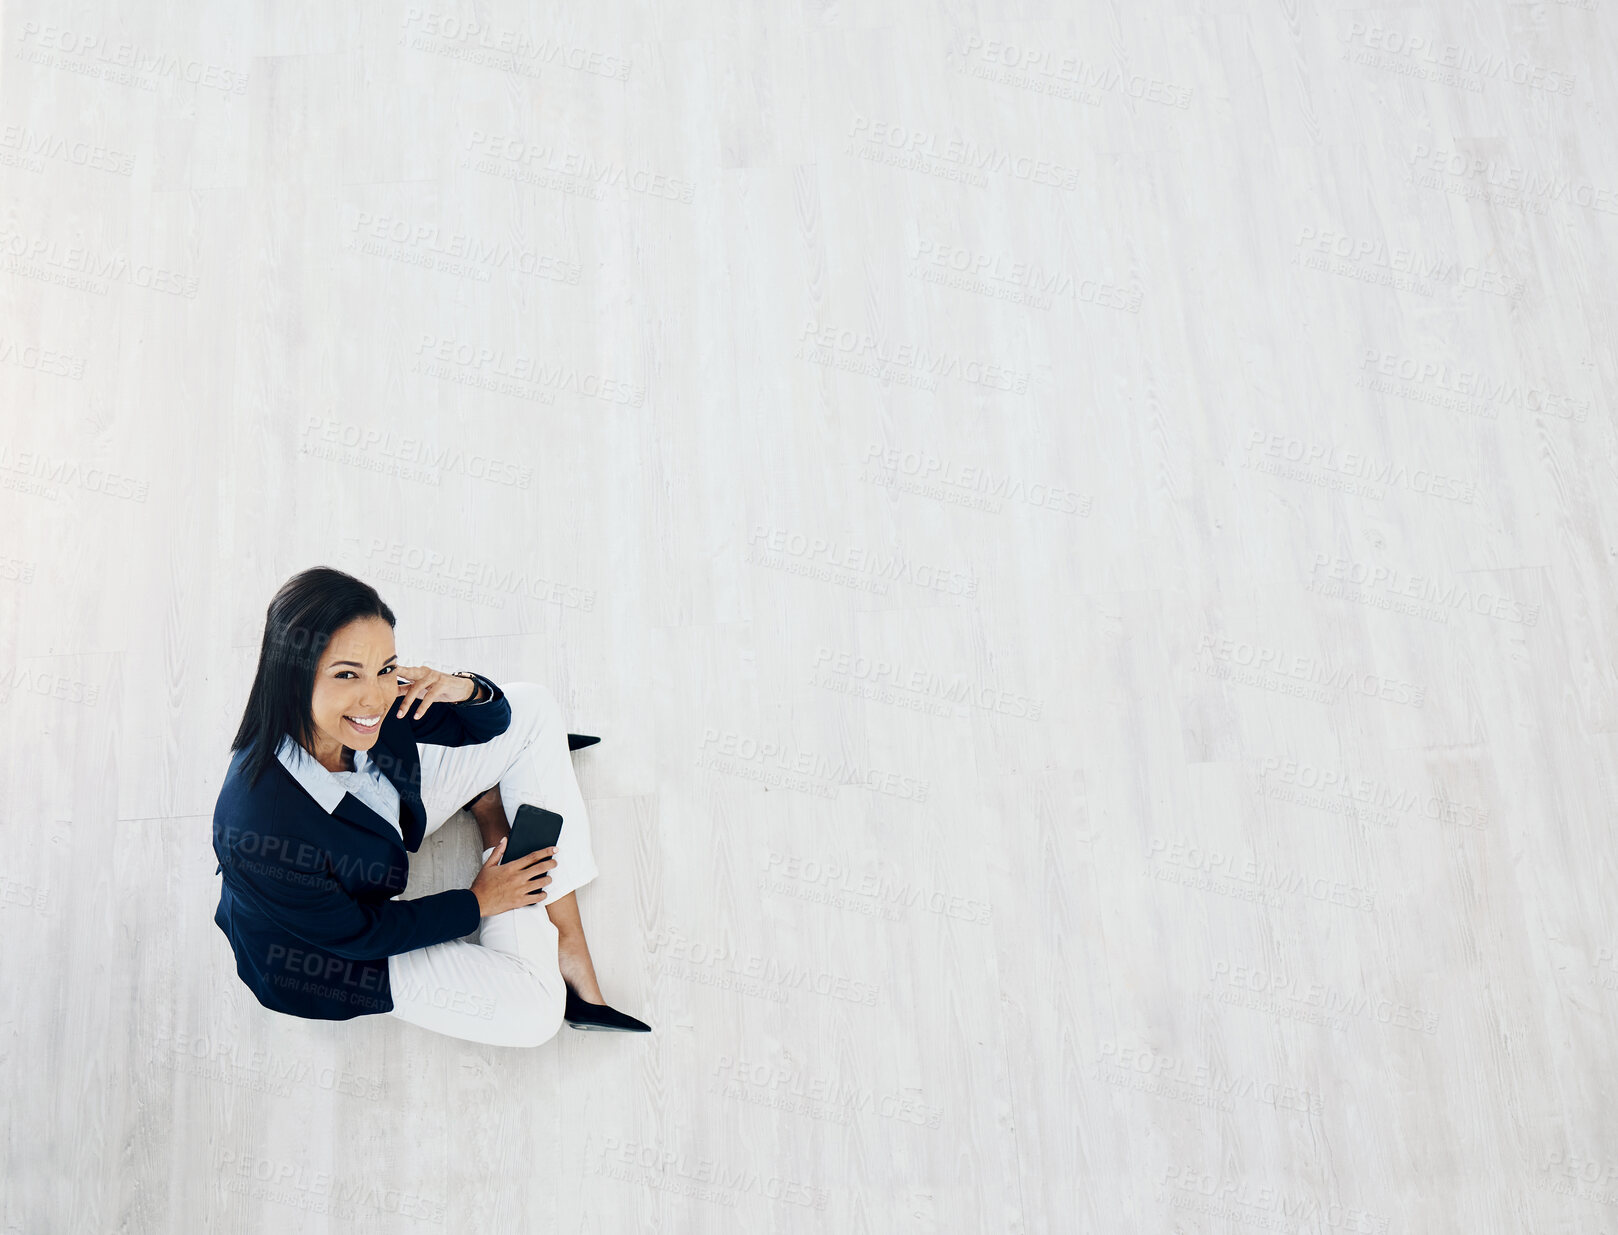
[[310, 607]]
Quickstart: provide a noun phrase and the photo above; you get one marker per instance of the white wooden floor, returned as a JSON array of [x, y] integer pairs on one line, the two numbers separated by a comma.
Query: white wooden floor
[[1088, 532]]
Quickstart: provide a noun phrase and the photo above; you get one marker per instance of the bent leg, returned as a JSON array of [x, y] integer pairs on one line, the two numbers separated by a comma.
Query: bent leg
[[573, 952], [507, 989], [504, 990], [531, 764]]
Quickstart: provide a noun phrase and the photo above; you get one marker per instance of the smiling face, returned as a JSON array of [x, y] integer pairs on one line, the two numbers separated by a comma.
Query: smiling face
[[356, 682]]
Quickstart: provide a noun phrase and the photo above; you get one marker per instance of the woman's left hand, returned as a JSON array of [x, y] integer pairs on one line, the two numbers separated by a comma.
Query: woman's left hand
[[429, 686]]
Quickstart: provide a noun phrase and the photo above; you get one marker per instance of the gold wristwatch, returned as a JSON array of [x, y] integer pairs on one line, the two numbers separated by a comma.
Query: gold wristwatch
[[479, 695]]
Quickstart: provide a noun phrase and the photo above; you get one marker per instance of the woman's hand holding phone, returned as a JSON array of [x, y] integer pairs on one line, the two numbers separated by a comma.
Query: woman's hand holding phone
[[514, 884]]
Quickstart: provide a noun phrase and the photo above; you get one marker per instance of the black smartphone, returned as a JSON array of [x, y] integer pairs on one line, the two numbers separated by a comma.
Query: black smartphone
[[534, 828]]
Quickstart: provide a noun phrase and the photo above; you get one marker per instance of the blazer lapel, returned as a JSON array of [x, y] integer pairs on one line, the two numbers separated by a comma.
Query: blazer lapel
[[357, 812], [402, 766]]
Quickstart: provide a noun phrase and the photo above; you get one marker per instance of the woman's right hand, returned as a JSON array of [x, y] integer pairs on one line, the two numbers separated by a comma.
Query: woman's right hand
[[499, 888]]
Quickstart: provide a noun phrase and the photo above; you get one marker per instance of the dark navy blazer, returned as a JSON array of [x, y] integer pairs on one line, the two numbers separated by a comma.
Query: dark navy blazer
[[306, 899]]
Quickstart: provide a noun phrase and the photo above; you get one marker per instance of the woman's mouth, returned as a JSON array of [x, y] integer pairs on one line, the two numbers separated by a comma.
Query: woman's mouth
[[365, 724]]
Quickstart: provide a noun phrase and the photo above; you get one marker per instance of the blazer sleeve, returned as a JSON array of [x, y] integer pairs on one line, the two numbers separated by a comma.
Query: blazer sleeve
[[294, 888], [463, 724]]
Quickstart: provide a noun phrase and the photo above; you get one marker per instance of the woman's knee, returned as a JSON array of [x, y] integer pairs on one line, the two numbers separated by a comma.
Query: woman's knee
[[534, 700], [545, 1021]]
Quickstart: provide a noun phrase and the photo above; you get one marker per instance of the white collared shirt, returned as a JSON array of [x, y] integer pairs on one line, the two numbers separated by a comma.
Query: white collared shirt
[[366, 782]]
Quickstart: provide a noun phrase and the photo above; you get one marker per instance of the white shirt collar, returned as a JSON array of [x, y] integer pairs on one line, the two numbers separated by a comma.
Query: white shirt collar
[[323, 787]]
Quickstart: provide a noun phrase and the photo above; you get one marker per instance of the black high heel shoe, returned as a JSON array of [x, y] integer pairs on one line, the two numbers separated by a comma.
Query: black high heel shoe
[[582, 1014]]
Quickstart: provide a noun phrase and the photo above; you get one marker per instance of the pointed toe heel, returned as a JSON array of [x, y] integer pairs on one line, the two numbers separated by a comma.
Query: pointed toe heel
[[582, 1014], [578, 741]]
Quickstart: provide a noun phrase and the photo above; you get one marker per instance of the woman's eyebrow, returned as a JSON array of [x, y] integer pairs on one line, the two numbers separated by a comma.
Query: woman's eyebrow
[[390, 660]]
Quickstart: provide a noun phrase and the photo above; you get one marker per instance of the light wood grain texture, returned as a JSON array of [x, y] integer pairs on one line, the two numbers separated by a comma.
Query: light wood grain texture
[[1086, 531]]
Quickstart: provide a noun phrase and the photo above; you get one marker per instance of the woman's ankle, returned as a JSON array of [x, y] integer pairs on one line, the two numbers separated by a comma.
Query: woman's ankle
[[577, 969], [489, 812]]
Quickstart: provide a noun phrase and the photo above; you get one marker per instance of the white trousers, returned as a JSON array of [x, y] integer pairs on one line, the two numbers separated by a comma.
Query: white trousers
[[505, 989]]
